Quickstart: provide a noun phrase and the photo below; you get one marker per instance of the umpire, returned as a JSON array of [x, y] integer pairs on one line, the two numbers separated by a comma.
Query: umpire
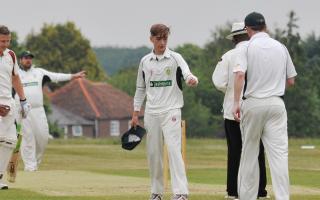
[[223, 79], [266, 68]]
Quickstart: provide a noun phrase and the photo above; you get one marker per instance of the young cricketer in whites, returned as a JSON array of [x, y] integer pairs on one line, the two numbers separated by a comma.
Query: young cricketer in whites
[[159, 79]]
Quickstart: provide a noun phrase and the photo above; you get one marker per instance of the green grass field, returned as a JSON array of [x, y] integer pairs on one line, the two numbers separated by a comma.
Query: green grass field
[[86, 169]]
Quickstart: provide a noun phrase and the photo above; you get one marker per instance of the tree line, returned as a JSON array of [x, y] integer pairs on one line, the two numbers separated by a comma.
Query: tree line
[[203, 105], [62, 48]]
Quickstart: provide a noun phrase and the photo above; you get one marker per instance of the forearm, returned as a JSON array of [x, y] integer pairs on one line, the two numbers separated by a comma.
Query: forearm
[[135, 118], [238, 86], [135, 113], [290, 82], [17, 85]]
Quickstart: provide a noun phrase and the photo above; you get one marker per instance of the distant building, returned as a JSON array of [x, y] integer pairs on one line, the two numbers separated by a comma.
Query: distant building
[[85, 108], [72, 124]]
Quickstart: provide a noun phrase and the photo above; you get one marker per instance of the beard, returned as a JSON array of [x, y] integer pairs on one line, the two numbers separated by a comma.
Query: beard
[[26, 66]]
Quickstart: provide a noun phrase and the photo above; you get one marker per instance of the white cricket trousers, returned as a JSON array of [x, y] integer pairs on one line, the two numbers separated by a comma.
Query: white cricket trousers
[[35, 135], [265, 119], [165, 126], [8, 136]]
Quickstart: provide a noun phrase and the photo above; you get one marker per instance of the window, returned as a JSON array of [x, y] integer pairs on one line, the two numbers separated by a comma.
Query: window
[[114, 128], [77, 130]]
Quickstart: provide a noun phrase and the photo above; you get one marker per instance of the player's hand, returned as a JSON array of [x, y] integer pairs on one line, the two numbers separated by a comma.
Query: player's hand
[[236, 111], [135, 119], [81, 74], [192, 81], [25, 108]]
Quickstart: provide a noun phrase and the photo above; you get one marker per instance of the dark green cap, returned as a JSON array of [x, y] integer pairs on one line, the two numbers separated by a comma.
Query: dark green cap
[[26, 54], [254, 19]]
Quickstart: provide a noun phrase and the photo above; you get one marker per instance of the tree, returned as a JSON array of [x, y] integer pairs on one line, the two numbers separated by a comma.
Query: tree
[[14, 44], [62, 48], [114, 59], [302, 101], [125, 80], [204, 100], [203, 104]]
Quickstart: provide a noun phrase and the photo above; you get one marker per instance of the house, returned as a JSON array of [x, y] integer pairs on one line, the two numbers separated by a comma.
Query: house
[[72, 124], [86, 108]]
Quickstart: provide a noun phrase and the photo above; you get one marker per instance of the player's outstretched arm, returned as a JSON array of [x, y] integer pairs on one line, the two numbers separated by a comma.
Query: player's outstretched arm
[[81, 74]]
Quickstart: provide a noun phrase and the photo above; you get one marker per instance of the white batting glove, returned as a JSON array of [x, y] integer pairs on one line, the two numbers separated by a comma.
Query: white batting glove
[[25, 108]]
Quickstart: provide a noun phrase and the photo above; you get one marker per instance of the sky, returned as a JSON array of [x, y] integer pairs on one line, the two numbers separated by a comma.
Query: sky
[[126, 23]]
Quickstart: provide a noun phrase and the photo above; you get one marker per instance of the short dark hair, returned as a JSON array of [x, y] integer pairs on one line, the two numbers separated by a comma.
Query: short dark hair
[[258, 28], [240, 38], [4, 30], [159, 30]]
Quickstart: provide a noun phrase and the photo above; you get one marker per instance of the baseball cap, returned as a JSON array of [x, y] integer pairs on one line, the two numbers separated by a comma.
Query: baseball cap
[[254, 19], [26, 54], [132, 137]]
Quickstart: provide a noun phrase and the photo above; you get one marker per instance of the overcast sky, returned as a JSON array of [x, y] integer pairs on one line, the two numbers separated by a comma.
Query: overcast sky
[[127, 22]]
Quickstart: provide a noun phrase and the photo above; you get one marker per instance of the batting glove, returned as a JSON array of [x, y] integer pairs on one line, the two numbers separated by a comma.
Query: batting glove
[[25, 108]]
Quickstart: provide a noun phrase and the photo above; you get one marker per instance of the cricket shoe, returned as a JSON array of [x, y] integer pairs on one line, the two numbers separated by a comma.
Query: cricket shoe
[[231, 197], [264, 198], [30, 169], [3, 186], [156, 197], [180, 197]]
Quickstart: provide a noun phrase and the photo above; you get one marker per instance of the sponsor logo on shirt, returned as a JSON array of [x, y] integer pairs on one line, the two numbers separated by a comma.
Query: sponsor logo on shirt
[[161, 83], [30, 84]]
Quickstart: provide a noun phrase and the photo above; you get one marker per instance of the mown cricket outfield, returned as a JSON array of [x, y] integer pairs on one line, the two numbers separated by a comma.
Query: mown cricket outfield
[[100, 170]]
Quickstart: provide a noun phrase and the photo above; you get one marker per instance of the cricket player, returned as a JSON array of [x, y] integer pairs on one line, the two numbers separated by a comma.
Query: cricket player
[[266, 68], [35, 127], [159, 79], [9, 78], [223, 79]]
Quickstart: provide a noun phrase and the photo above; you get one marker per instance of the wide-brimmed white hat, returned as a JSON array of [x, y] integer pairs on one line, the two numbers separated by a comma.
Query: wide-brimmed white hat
[[237, 29]]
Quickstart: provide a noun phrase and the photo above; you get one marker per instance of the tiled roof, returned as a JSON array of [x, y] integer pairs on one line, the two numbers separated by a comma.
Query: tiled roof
[[93, 100], [63, 117]]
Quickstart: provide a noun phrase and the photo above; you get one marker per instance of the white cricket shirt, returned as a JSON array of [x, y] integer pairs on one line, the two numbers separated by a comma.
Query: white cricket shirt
[[159, 80], [268, 65]]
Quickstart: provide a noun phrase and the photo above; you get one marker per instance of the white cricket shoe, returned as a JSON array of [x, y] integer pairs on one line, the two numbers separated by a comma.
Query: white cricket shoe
[[264, 198], [180, 197], [156, 197], [3, 186], [30, 169], [231, 197]]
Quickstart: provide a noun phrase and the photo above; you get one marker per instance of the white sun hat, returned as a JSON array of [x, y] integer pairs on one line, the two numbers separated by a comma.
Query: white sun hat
[[237, 29]]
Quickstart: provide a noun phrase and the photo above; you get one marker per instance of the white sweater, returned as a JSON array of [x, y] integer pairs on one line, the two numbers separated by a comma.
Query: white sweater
[[223, 79], [159, 79], [32, 83]]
